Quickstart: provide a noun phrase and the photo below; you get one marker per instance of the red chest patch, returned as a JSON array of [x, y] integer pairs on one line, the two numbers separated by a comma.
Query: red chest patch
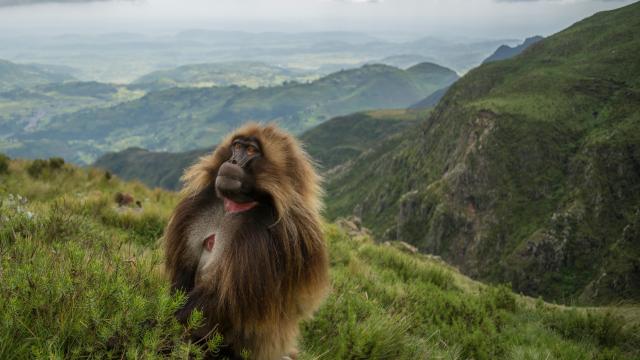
[[209, 242]]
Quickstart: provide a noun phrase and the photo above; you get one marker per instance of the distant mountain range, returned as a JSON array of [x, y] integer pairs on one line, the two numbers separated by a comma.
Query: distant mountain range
[[243, 73], [506, 52], [179, 119], [123, 57]]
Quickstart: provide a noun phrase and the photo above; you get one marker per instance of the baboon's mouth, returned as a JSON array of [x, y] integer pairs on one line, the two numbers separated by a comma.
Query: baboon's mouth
[[234, 207]]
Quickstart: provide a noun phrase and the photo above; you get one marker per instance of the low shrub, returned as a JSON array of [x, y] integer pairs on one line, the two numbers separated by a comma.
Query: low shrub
[[4, 164]]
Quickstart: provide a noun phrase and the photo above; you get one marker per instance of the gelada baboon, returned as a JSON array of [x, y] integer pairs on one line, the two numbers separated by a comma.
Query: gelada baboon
[[245, 242]]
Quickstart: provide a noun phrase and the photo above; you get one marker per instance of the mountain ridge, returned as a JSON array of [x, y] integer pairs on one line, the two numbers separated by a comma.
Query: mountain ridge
[[507, 52], [157, 120]]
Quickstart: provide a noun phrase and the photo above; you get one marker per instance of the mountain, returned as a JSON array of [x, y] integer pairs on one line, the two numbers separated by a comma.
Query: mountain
[[403, 61], [507, 52], [461, 56], [344, 138], [331, 143], [180, 119], [81, 279], [122, 58], [242, 73], [431, 100], [527, 171], [14, 75]]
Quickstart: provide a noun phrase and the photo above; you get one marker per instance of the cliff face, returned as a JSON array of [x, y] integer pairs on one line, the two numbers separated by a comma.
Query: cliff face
[[528, 170]]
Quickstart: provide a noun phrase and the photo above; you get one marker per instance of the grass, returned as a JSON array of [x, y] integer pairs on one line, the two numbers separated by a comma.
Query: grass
[[82, 278]]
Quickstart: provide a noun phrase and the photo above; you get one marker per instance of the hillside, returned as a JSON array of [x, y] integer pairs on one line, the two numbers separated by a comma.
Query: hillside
[[26, 110], [19, 75], [180, 119], [431, 100], [81, 278], [526, 172], [242, 73], [331, 143], [344, 138], [507, 52], [155, 169]]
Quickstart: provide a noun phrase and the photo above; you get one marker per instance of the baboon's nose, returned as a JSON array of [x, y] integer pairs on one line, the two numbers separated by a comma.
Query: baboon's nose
[[229, 178]]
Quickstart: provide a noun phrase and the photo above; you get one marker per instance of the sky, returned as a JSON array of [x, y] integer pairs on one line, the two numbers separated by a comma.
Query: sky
[[444, 18]]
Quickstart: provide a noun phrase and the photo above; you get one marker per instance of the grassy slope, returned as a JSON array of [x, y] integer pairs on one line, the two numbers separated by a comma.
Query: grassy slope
[[183, 118], [526, 172], [83, 279]]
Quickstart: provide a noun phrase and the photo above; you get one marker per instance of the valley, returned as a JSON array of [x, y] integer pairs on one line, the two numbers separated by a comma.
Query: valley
[[187, 118]]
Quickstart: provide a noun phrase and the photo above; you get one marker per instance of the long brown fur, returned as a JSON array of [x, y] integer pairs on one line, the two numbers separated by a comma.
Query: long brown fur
[[274, 271]]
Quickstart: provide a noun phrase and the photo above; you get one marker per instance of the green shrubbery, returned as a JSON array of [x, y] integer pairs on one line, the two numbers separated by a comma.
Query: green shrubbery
[[39, 167], [4, 164], [605, 329]]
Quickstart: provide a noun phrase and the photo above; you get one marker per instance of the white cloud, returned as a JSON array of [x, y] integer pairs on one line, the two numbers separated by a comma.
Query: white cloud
[[360, 1], [470, 18], [13, 3]]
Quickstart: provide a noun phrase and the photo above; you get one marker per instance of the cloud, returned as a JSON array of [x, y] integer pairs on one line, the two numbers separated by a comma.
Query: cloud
[[517, 1], [360, 1], [522, 0], [8, 3]]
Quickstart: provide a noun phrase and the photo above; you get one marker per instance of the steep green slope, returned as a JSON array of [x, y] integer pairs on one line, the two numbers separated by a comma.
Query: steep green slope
[[528, 171], [344, 138], [431, 100], [243, 73], [331, 143], [180, 119], [19, 75], [81, 278]]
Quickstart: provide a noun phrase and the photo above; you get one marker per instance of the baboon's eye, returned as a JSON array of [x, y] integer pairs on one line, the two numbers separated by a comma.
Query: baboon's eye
[[251, 150], [237, 146]]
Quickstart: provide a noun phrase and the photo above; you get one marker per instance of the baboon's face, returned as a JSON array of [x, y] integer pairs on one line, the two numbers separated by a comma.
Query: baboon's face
[[236, 179]]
